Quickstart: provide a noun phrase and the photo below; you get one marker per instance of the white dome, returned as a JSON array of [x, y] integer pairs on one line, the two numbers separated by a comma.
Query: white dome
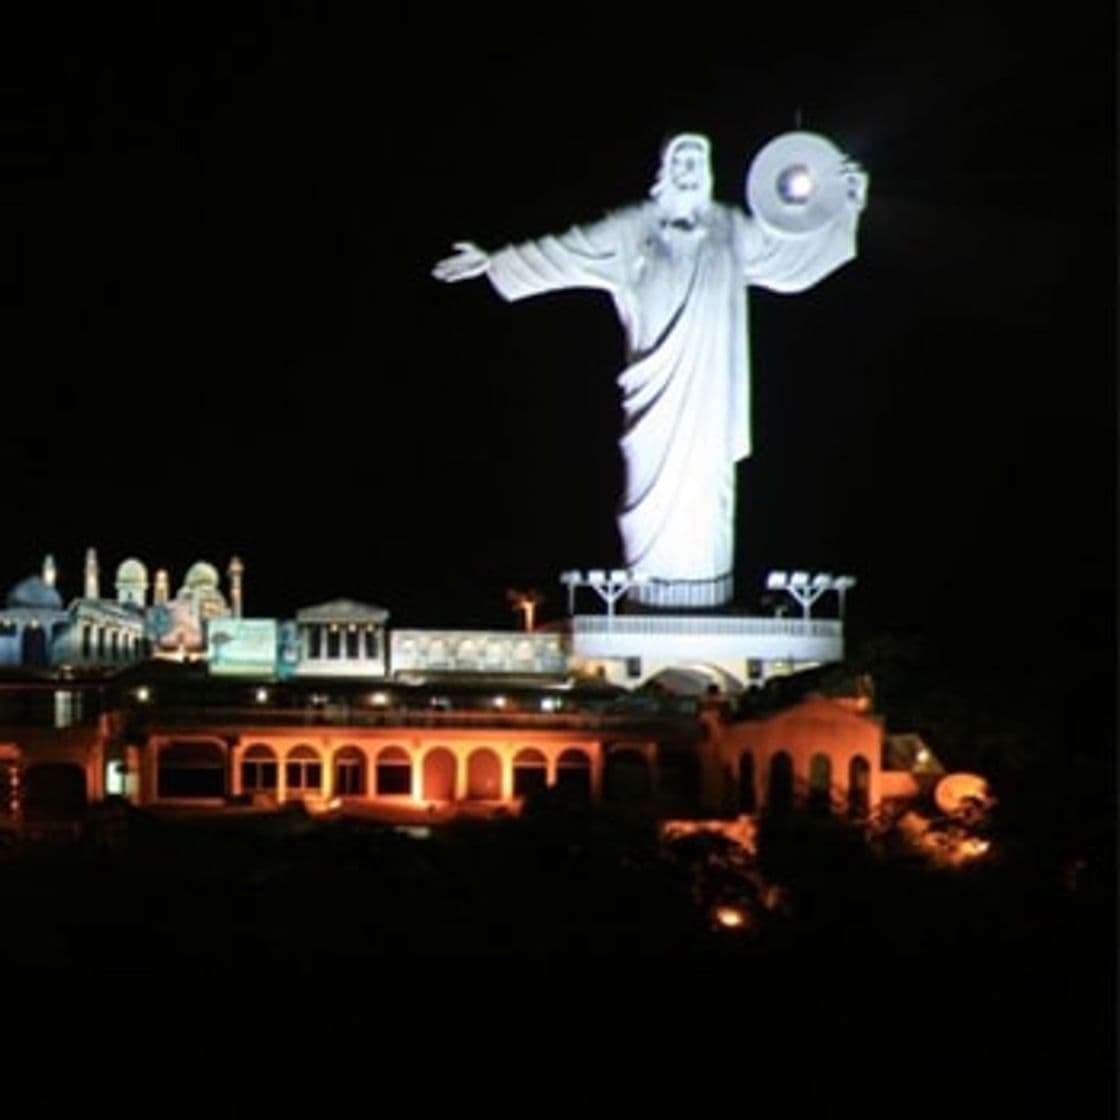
[[201, 575], [131, 573]]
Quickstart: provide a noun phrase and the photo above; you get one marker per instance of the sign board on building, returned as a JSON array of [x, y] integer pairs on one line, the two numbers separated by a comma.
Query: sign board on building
[[241, 646]]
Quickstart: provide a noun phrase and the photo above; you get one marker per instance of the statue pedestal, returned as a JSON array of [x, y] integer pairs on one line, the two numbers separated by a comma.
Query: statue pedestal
[[679, 594], [732, 651]]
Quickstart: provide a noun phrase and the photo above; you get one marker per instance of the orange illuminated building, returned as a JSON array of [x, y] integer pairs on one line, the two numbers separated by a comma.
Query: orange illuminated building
[[171, 735]]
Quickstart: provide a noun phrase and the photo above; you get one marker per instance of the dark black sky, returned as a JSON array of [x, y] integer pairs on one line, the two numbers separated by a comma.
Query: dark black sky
[[221, 334]]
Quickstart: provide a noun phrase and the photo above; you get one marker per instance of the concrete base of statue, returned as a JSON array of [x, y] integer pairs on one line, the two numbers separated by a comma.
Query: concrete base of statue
[[732, 652], [677, 594]]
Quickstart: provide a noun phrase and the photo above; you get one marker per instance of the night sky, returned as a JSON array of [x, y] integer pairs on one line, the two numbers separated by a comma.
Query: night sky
[[221, 334]]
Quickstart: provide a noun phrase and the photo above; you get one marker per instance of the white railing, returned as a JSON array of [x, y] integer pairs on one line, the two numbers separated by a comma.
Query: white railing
[[700, 626]]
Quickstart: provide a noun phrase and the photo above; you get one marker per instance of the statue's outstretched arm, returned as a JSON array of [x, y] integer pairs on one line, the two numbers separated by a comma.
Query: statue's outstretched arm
[[466, 263]]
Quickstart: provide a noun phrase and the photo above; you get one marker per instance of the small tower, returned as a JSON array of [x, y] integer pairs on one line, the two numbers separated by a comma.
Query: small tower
[[92, 579], [235, 571], [162, 590], [132, 583], [49, 571]]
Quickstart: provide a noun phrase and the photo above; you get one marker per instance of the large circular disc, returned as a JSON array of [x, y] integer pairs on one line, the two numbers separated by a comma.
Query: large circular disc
[[955, 791], [794, 184]]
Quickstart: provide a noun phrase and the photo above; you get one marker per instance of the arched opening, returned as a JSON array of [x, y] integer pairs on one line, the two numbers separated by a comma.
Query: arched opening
[[484, 775], [779, 794], [573, 775], [350, 772], [626, 777], [439, 775], [820, 785], [530, 772], [303, 771], [859, 787], [258, 769], [678, 780], [694, 679], [394, 772], [33, 646], [52, 791], [192, 768], [748, 799]]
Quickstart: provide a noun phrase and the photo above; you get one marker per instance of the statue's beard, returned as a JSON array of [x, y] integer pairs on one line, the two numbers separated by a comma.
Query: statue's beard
[[678, 205]]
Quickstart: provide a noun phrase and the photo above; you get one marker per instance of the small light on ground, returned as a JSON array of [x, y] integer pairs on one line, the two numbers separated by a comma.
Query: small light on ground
[[731, 917]]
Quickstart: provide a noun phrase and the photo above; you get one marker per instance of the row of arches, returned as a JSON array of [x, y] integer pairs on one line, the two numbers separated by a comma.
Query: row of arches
[[819, 793], [101, 643], [198, 769]]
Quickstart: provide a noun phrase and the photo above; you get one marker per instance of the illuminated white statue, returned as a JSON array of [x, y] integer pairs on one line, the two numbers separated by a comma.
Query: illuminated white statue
[[677, 266]]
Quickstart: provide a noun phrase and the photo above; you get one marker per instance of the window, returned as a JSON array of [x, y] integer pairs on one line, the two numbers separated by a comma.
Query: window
[[352, 644], [315, 642], [258, 769], [371, 643], [303, 771], [257, 775], [350, 772], [334, 644], [394, 772], [633, 667]]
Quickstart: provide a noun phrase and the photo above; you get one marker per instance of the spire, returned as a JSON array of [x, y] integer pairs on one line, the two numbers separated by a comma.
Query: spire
[[49, 571], [235, 571], [92, 579], [162, 591]]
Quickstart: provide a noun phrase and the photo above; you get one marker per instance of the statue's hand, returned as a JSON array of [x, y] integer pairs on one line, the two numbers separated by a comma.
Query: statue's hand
[[855, 183], [469, 261]]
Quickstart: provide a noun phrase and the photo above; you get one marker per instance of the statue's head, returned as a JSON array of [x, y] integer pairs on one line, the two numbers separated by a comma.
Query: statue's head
[[684, 182]]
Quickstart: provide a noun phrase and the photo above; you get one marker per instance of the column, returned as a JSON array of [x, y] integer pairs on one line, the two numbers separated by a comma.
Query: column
[[235, 788], [326, 787], [415, 755], [151, 767], [281, 775], [505, 759], [460, 770], [597, 759]]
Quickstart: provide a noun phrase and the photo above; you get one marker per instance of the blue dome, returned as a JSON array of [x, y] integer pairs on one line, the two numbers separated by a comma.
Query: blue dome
[[34, 592]]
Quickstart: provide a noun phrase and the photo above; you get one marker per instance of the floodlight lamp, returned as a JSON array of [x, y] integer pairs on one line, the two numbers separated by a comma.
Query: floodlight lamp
[[571, 577], [795, 185], [844, 583], [596, 576], [799, 579], [822, 580], [776, 581], [619, 575]]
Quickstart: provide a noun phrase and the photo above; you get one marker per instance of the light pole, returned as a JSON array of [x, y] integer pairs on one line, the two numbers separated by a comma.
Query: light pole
[[807, 590]]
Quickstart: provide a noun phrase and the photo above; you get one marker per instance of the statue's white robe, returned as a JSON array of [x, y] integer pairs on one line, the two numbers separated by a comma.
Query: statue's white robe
[[680, 295]]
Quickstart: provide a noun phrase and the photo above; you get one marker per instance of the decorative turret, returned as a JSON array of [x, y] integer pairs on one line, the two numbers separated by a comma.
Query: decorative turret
[[162, 591], [235, 571], [132, 583], [92, 577], [49, 571]]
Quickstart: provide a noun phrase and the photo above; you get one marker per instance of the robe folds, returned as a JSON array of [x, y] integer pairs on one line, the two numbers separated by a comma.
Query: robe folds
[[680, 294]]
